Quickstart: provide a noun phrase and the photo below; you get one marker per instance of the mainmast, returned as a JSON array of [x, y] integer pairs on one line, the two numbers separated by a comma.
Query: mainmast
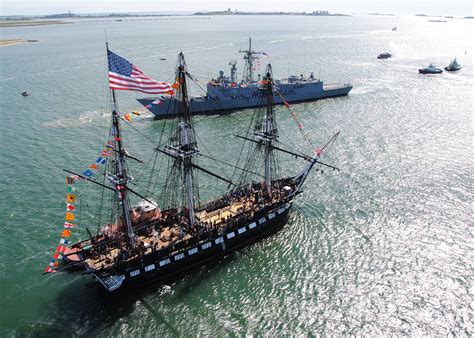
[[186, 148], [249, 57], [268, 132]]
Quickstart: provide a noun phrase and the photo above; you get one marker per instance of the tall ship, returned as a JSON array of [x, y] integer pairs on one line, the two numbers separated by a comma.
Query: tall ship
[[226, 93], [154, 234]]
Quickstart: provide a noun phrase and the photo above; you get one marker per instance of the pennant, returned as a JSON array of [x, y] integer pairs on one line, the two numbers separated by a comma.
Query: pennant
[[60, 249], [157, 101], [136, 113], [100, 160], [109, 144], [68, 225], [66, 233], [105, 153], [87, 173], [175, 85], [318, 151], [117, 139], [64, 241], [94, 166], [70, 180], [127, 117], [48, 269], [53, 263], [287, 105], [69, 216], [70, 207]]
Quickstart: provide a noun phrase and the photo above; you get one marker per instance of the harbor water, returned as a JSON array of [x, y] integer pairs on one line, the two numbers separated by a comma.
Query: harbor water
[[384, 247]]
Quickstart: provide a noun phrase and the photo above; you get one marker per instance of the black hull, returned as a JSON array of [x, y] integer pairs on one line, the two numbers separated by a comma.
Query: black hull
[[451, 69], [161, 267], [422, 71]]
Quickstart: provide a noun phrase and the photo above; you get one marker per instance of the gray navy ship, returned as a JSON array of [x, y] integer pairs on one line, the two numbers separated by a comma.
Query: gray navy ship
[[226, 94]]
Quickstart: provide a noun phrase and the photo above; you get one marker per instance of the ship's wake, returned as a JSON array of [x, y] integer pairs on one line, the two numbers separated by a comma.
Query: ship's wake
[[92, 117]]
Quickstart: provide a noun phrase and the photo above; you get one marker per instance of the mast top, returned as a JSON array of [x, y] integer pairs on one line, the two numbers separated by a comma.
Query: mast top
[[181, 67], [249, 57]]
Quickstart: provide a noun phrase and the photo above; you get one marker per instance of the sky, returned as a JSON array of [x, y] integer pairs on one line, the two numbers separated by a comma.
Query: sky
[[399, 7]]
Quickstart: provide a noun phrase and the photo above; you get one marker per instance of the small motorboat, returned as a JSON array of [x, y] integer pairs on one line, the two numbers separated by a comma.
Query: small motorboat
[[431, 69], [25, 93], [453, 66], [163, 59], [394, 29], [384, 56]]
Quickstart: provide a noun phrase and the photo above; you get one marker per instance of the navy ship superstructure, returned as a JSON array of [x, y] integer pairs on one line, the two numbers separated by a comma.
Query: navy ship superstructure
[[226, 93]]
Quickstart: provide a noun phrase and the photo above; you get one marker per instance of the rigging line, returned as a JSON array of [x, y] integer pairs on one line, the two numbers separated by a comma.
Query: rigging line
[[330, 141], [212, 174], [163, 127], [141, 196], [277, 148], [155, 160], [292, 144], [202, 169], [252, 160], [205, 148], [139, 132], [247, 134], [307, 158], [160, 166], [100, 206], [88, 179], [196, 81], [231, 165], [300, 127], [129, 156]]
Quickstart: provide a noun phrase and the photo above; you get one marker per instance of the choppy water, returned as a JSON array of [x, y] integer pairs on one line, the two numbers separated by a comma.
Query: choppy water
[[386, 247]]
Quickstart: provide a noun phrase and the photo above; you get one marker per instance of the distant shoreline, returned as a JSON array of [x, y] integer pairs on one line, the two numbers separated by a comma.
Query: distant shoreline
[[24, 23], [316, 13], [15, 21]]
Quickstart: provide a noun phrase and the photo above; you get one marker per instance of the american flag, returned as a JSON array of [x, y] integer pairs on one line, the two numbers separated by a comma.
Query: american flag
[[123, 75]]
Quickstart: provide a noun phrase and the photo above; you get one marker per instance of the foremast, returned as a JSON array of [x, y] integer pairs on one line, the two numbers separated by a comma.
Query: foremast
[[186, 147], [120, 177]]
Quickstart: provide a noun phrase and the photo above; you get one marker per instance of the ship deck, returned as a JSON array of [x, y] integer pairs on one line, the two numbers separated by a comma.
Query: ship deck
[[241, 208]]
